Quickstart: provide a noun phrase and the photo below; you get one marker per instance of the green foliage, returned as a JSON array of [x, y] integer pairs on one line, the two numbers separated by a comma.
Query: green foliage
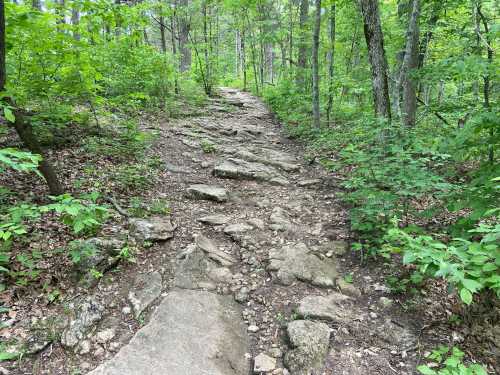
[[18, 160], [140, 208], [471, 266], [133, 177], [207, 146], [84, 216], [449, 362]]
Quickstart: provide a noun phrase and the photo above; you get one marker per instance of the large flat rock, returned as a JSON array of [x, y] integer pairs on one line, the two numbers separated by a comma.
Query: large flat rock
[[191, 333], [245, 170]]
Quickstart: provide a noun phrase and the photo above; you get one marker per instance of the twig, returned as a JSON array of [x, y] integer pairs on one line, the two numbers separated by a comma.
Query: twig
[[117, 207], [437, 114]]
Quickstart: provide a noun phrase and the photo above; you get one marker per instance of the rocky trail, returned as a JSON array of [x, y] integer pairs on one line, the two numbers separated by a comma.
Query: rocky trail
[[249, 275]]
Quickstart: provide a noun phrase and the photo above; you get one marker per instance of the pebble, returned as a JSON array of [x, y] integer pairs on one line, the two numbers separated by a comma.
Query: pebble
[[253, 328]]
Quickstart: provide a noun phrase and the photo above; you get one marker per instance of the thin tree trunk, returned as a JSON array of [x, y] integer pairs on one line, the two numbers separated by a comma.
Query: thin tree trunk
[[75, 21], [302, 58], [376, 53], [163, 39], [22, 127], [331, 63], [486, 77], [184, 28], [315, 67], [410, 63], [244, 60], [174, 49], [36, 4]]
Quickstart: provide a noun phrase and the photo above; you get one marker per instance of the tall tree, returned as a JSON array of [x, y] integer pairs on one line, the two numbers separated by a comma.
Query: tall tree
[[376, 54], [410, 63], [315, 66], [331, 62], [21, 125], [302, 58]]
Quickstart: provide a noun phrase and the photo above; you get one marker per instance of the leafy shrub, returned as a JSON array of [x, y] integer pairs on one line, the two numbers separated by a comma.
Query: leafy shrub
[[449, 363], [471, 266], [83, 215], [18, 160]]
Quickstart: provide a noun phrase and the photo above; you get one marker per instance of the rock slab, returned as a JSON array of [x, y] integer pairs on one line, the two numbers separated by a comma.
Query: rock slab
[[156, 228], [297, 262], [208, 192], [191, 333], [331, 307], [310, 342]]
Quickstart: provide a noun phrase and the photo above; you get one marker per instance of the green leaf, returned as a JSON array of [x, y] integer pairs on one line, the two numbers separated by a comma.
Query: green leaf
[[472, 285], [8, 114], [466, 296], [426, 370]]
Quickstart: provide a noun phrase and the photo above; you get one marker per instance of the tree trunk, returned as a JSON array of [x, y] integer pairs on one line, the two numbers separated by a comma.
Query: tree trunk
[[410, 63], [376, 53], [36, 4], [75, 21], [184, 29], [302, 58], [331, 63], [174, 49], [163, 39], [243, 60], [22, 127], [315, 67]]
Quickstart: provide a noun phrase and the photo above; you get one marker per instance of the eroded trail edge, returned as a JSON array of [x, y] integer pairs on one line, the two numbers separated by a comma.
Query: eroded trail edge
[[253, 278]]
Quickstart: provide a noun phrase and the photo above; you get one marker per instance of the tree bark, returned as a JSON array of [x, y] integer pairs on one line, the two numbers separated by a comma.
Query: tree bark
[[376, 54], [315, 67], [184, 28], [302, 58], [22, 127], [410, 63], [75, 21], [331, 63]]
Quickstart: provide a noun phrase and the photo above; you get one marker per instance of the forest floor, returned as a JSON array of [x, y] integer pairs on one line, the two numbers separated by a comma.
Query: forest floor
[[255, 276]]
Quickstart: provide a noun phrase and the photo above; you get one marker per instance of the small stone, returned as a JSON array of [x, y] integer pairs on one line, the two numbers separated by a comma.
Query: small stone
[[84, 347], [373, 315], [256, 223], [385, 302], [304, 183], [253, 328], [99, 352], [348, 289], [209, 192], [276, 352], [106, 335], [242, 295], [263, 363], [217, 219], [126, 310]]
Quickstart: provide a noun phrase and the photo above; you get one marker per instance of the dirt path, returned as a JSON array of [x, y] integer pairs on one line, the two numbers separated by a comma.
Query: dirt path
[[256, 277], [257, 223]]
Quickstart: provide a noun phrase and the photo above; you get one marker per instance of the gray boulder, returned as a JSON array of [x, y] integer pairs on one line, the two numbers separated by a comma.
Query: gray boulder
[[155, 228], [309, 341], [99, 254], [332, 307], [85, 316], [208, 192], [217, 219], [297, 262], [244, 170], [213, 252], [146, 288]]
